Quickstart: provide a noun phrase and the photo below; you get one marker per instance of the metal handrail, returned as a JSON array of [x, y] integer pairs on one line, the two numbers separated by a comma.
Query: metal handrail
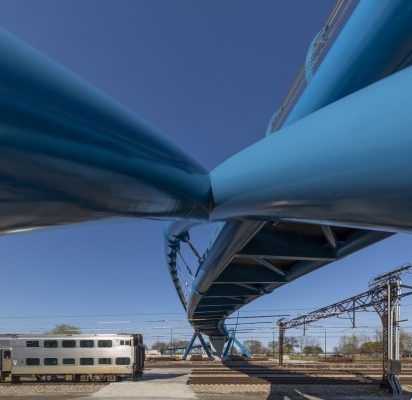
[[319, 49]]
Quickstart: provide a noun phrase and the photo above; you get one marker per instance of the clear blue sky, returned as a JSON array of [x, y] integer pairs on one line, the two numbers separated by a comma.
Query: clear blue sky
[[209, 75]]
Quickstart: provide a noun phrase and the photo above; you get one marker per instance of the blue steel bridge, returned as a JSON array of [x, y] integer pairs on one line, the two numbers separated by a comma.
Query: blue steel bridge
[[332, 175]]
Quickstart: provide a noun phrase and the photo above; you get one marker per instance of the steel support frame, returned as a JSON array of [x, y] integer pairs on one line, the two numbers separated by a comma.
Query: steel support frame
[[389, 312], [233, 340], [384, 296], [191, 342]]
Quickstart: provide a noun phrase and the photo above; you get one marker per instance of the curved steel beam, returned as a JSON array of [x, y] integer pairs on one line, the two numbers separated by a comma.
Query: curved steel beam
[[347, 164], [174, 233], [69, 153], [375, 42]]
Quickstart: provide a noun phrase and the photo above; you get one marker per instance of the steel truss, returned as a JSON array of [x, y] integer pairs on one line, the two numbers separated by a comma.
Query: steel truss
[[205, 346], [384, 297], [232, 341]]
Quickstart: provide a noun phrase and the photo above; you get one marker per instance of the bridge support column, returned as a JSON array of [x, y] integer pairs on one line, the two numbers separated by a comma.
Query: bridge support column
[[191, 342], [232, 340], [228, 348]]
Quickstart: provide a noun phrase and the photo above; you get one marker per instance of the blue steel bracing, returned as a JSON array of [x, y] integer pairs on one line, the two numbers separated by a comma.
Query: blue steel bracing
[[228, 348], [229, 345], [191, 342], [189, 346], [205, 346], [245, 352], [174, 234]]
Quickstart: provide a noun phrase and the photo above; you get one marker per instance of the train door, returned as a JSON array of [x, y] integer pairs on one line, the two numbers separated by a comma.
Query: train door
[[139, 354], [5, 364]]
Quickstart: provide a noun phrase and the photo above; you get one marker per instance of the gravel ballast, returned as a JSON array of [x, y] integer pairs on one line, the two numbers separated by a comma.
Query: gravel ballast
[[316, 391], [27, 389]]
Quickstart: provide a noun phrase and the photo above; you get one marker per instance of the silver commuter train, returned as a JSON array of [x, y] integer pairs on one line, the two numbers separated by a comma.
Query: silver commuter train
[[78, 358]]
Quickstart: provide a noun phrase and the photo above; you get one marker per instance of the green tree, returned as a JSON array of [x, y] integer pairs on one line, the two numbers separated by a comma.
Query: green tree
[[370, 347], [290, 342], [312, 350], [61, 329], [160, 346], [255, 346]]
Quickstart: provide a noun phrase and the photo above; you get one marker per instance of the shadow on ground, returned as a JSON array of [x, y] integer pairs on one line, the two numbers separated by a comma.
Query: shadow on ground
[[148, 376], [289, 384]]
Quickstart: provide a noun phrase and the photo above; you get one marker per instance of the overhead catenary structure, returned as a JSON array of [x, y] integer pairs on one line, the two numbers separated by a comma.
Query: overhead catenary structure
[[331, 177], [384, 296]]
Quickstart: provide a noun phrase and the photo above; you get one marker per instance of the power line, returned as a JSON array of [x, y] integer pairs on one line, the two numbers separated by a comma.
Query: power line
[[152, 313]]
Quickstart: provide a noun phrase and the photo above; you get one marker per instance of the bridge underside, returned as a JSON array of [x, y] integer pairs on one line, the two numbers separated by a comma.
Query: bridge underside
[[277, 253]]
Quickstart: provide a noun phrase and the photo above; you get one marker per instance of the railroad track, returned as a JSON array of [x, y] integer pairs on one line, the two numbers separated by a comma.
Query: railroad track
[[249, 374], [258, 373], [282, 371], [278, 381], [290, 380], [217, 365]]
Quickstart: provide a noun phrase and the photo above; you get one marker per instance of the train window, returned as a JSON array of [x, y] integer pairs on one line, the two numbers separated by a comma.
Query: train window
[[127, 342], [50, 344], [122, 361], [7, 354], [86, 343], [32, 361], [32, 343], [69, 361], [50, 361], [68, 343], [86, 361], [122, 343], [104, 343], [105, 361]]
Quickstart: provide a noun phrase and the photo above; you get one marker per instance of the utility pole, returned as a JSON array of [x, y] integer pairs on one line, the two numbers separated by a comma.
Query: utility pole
[[172, 350], [273, 341], [281, 342], [325, 343]]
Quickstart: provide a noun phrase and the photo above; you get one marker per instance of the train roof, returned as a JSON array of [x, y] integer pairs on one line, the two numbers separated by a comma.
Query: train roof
[[63, 335]]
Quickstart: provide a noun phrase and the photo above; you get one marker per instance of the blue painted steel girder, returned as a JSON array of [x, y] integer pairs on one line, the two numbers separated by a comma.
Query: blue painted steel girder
[[69, 153], [263, 257], [375, 42], [347, 164]]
